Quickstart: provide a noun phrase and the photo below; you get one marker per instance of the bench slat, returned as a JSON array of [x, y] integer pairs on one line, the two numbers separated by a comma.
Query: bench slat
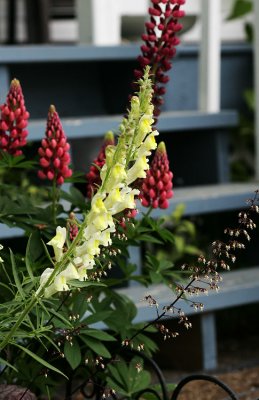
[[97, 126], [237, 288]]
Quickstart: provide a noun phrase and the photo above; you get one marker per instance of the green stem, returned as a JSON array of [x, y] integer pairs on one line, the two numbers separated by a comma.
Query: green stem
[[54, 200]]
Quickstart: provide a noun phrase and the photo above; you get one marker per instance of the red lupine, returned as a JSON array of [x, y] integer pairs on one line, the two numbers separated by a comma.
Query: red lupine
[[13, 121], [54, 151], [93, 176], [156, 188], [159, 48]]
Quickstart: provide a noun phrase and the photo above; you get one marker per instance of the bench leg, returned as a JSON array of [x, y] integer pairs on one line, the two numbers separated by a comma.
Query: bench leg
[[4, 83], [209, 341]]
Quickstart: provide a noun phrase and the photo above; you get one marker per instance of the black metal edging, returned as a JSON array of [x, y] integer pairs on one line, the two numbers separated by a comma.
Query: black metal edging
[[203, 377]]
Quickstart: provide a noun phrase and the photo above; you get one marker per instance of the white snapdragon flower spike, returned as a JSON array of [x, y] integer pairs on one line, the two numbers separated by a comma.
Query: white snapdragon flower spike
[[125, 163]]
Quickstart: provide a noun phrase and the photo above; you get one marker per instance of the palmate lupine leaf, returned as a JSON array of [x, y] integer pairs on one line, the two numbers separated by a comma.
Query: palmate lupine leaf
[[9, 161], [9, 207]]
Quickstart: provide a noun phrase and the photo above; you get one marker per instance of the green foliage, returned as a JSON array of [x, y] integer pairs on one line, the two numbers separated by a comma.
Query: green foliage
[[127, 379], [242, 164], [240, 8]]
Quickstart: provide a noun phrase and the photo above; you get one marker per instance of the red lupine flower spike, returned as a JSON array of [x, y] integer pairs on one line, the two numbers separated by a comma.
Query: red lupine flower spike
[[160, 41], [93, 176], [13, 121], [54, 151], [156, 188]]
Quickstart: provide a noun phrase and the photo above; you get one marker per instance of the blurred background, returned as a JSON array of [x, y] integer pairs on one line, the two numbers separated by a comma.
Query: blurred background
[[80, 54], [58, 21]]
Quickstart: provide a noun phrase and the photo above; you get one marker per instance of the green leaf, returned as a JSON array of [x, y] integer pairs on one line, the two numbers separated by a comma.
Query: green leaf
[[77, 177], [166, 235], [4, 362], [178, 212], [16, 276], [39, 359], [82, 284], [165, 264], [149, 239], [60, 317], [96, 346], [29, 258], [155, 277], [73, 354], [100, 335], [96, 317], [240, 8], [249, 30], [128, 380], [250, 98], [74, 196]]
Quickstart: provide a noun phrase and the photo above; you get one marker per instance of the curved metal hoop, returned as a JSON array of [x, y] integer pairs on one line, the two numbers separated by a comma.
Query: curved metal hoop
[[201, 377]]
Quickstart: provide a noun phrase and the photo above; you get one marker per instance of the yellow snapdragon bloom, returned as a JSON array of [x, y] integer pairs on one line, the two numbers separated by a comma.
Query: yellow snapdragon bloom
[[60, 280], [138, 170], [144, 128], [57, 242]]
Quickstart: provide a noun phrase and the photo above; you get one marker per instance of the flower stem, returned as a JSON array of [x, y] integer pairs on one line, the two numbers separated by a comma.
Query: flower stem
[[54, 200]]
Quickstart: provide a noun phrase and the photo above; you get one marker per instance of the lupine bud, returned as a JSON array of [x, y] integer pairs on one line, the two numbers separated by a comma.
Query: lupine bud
[[54, 157], [93, 176], [72, 226], [13, 119], [160, 42], [156, 188]]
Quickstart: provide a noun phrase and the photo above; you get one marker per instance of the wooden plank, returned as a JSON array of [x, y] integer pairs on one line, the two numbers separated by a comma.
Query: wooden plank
[[31, 54], [209, 198], [198, 200], [237, 288], [58, 53], [97, 126]]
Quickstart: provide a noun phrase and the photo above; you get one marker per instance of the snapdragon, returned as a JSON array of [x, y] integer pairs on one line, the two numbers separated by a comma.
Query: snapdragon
[[125, 163]]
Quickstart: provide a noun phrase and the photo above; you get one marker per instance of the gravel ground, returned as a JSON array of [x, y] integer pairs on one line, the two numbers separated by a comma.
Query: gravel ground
[[238, 367]]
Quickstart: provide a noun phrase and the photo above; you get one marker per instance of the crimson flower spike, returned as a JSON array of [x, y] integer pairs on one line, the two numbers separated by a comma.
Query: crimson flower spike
[[54, 151], [93, 176], [156, 188], [159, 48], [13, 121]]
